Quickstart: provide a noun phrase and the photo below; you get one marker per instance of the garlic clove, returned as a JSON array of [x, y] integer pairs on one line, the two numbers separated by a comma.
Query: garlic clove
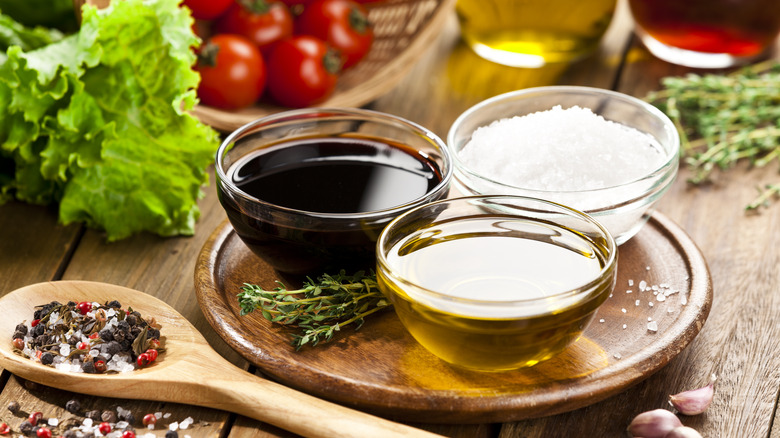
[[683, 432], [654, 424], [695, 401]]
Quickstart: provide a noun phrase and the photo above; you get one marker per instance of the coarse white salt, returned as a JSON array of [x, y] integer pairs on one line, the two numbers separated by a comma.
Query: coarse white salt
[[630, 282], [624, 326], [186, 423], [647, 268], [623, 310], [683, 300], [650, 304], [174, 426], [617, 356], [661, 297], [560, 149], [652, 326], [158, 415], [636, 303], [649, 318], [642, 285], [53, 422], [167, 415], [601, 320]]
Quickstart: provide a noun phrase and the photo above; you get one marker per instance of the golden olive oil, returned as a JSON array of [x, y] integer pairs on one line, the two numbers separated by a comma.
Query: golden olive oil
[[494, 292], [532, 33]]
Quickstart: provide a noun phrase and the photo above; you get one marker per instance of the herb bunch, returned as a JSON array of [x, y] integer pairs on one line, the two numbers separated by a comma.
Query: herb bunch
[[319, 308], [725, 118]]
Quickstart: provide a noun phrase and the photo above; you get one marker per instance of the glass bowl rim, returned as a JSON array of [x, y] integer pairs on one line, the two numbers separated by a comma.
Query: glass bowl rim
[[355, 113], [609, 265], [670, 165]]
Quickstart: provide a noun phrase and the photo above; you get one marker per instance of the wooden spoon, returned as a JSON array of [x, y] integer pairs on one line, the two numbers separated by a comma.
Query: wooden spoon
[[189, 371]]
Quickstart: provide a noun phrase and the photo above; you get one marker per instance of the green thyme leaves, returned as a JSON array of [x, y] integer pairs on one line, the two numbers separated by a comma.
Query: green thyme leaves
[[725, 118], [319, 308]]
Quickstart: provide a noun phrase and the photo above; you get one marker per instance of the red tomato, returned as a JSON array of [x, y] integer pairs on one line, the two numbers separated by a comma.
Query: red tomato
[[263, 22], [207, 9], [232, 72], [292, 3], [304, 72], [341, 23]]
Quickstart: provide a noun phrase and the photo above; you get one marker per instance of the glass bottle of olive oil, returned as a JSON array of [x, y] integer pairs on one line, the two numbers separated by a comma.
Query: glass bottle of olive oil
[[532, 33]]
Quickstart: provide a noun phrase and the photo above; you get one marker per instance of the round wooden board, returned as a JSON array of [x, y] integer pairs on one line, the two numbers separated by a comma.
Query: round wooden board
[[381, 368]]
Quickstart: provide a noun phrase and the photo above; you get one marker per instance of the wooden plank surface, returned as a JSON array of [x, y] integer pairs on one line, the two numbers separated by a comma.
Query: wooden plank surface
[[738, 342]]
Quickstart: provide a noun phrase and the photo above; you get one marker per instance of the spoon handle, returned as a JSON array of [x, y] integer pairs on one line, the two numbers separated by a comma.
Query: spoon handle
[[235, 390]]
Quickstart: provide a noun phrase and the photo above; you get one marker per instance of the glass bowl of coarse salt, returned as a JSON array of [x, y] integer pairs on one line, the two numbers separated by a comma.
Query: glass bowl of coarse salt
[[601, 152]]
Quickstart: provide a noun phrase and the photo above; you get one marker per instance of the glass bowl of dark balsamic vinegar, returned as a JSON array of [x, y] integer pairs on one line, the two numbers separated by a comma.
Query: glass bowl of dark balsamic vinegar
[[310, 190]]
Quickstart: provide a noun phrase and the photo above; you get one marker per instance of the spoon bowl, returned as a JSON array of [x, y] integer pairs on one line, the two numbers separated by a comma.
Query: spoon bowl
[[189, 371]]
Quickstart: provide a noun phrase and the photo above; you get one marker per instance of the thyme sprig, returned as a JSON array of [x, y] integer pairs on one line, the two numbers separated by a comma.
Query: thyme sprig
[[725, 118], [319, 308]]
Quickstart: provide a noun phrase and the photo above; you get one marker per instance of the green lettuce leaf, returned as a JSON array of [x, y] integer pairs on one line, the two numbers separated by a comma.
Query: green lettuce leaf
[[57, 14], [98, 122], [13, 33]]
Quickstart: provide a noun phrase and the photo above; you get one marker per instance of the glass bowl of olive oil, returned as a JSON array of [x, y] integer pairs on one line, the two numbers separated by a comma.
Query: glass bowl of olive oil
[[495, 283]]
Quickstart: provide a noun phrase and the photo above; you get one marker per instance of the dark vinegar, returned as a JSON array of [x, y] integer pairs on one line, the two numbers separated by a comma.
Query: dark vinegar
[[336, 175], [325, 176]]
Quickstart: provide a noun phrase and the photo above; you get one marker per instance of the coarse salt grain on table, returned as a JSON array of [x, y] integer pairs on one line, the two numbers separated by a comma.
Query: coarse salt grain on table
[[560, 149]]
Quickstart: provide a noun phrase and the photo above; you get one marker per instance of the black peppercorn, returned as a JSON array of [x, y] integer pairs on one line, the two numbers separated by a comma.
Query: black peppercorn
[[115, 304], [93, 415], [171, 434], [47, 358], [70, 434], [21, 328], [153, 333], [131, 319], [130, 418], [38, 330], [106, 335], [18, 334], [88, 367], [73, 406], [113, 347], [13, 407], [26, 427], [108, 416]]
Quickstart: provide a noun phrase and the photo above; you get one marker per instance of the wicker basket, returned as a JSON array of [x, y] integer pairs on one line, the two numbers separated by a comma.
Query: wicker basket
[[403, 30]]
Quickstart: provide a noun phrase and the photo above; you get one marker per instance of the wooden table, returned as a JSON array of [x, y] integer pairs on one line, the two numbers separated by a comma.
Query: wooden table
[[739, 341]]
